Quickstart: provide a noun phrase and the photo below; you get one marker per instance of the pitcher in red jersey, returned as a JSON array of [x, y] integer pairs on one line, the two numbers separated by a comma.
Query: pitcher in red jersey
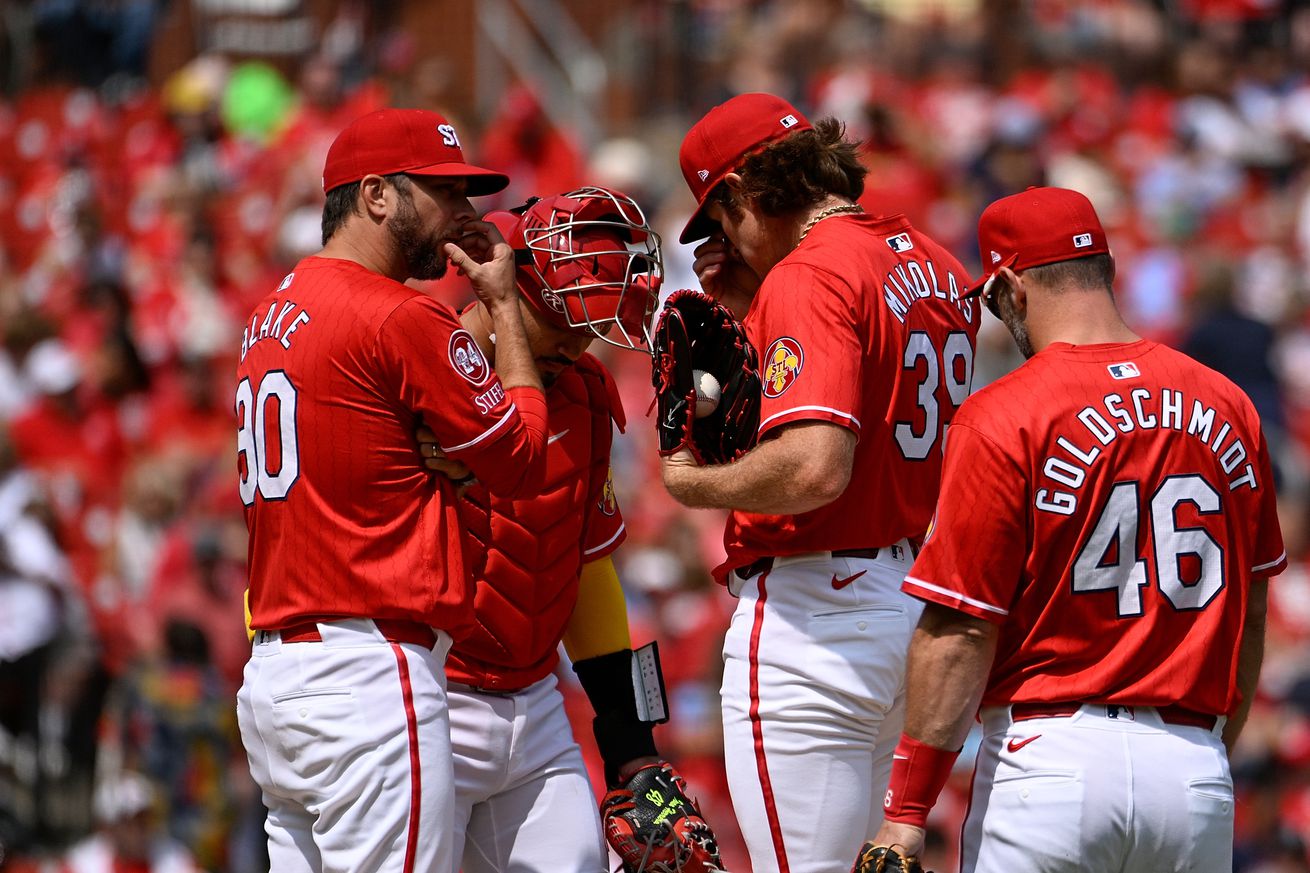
[[1095, 580], [357, 574], [866, 349]]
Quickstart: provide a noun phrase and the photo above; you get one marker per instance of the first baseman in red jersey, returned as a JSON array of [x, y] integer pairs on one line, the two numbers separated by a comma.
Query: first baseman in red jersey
[[591, 268], [357, 574], [866, 349], [1096, 579]]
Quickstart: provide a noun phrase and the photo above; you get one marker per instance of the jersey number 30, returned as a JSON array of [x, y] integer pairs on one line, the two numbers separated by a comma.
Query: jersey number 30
[[271, 455], [1108, 560]]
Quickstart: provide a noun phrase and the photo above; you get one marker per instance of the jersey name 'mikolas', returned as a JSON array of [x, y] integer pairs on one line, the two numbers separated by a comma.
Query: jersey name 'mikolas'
[[911, 282], [1139, 410]]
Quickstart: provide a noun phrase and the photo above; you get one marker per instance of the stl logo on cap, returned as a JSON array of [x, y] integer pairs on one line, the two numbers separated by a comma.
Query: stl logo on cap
[[782, 364], [467, 359], [448, 135]]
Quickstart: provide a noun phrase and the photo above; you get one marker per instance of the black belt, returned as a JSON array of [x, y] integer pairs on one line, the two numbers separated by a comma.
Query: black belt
[[764, 565]]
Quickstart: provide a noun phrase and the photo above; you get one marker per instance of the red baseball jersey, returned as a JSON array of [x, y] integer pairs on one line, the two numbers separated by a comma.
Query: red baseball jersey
[[526, 555], [862, 325], [338, 367], [1106, 505]]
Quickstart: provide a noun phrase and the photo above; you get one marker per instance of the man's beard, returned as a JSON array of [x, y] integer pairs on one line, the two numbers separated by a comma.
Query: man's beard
[[422, 254], [1014, 324]]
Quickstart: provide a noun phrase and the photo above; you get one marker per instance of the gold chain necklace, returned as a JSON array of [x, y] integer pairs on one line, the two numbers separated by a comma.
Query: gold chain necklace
[[827, 213]]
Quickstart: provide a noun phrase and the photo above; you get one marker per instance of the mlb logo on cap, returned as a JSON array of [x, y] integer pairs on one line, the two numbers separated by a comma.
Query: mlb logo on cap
[[1037, 227], [789, 121]]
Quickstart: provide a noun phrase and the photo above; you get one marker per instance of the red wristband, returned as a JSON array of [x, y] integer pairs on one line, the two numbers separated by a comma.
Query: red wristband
[[919, 772]]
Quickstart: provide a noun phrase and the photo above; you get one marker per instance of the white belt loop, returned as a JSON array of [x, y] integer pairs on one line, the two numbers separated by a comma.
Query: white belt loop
[[441, 648]]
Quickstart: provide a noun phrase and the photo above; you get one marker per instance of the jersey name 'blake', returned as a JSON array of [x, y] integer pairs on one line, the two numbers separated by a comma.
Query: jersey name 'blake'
[[278, 322], [1101, 425], [911, 281]]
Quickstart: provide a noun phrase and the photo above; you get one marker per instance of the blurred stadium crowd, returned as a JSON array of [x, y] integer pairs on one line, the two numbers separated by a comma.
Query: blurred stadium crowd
[[141, 217]]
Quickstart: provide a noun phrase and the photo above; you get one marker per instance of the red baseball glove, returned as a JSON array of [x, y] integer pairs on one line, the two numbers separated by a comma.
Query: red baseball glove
[[654, 827]]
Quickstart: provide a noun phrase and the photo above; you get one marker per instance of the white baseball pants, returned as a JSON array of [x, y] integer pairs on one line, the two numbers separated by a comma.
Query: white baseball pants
[[813, 703], [523, 801], [1106, 789], [349, 740]]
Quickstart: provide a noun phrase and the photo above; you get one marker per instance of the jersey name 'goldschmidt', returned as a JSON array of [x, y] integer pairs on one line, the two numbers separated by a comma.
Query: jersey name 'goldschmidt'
[[1107, 505]]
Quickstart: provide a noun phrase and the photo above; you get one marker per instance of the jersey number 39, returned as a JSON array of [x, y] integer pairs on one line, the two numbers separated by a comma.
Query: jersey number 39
[[268, 458], [954, 366]]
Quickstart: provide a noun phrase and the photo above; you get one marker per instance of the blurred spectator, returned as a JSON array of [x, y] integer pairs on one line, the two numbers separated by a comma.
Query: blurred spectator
[[128, 839], [172, 720], [1237, 345], [524, 143]]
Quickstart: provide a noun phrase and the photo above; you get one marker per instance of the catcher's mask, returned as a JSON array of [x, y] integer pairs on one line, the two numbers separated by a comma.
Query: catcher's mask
[[588, 263]]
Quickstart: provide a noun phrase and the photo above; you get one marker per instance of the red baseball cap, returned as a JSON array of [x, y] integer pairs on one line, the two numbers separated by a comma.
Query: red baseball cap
[[412, 141], [718, 142], [1036, 227]]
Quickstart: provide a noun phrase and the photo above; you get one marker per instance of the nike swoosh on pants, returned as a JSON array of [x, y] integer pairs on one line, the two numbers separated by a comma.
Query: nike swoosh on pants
[[839, 584]]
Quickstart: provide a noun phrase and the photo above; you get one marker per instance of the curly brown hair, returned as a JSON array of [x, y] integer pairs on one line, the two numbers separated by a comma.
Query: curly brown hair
[[797, 171]]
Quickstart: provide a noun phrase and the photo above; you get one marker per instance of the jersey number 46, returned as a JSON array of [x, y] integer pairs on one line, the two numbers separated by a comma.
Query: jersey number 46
[[1109, 561]]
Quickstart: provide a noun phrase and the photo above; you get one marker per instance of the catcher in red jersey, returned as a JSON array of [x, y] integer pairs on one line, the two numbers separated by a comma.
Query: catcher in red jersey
[[866, 349], [589, 267], [357, 574], [1095, 579]]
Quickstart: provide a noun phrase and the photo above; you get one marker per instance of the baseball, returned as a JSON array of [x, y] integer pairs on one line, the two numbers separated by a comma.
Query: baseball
[[707, 392]]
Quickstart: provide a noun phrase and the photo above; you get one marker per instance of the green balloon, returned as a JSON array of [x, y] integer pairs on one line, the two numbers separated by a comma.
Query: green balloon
[[256, 101]]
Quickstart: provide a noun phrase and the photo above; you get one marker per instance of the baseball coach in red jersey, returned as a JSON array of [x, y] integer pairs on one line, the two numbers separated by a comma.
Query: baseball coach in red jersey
[[1095, 579], [357, 574]]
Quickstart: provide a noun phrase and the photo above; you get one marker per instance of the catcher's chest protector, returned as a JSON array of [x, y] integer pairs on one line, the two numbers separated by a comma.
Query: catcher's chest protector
[[526, 554]]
